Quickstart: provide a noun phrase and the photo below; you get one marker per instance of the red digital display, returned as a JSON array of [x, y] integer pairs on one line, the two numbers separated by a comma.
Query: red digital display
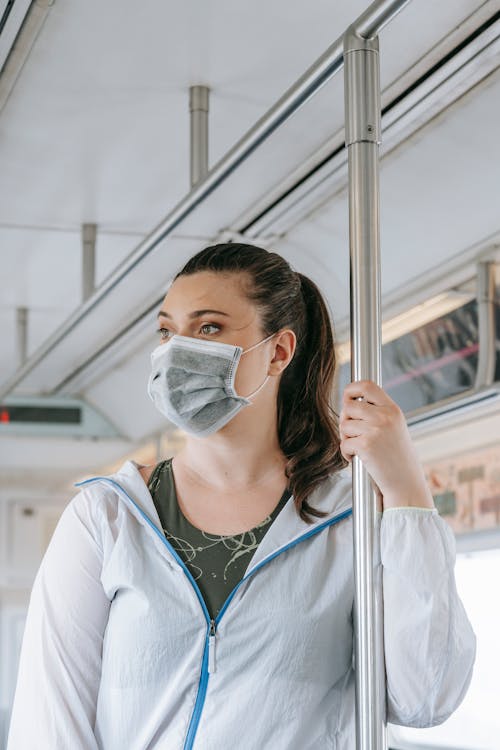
[[33, 414]]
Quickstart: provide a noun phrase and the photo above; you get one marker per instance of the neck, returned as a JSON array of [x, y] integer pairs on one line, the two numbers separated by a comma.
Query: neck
[[242, 455]]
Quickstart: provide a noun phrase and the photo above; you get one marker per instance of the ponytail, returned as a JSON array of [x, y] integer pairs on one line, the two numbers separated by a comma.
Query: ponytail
[[307, 424]]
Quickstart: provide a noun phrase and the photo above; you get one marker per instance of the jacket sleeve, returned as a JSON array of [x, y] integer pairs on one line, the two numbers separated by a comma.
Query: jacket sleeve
[[430, 646], [60, 663]]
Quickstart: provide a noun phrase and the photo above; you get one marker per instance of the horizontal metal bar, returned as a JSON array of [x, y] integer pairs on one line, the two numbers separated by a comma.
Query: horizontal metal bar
[[441, 410], [375, 17], [330, 62], [112, 345]]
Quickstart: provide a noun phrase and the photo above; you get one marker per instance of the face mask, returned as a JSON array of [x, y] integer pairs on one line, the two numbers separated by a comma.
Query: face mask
[[192, 383]]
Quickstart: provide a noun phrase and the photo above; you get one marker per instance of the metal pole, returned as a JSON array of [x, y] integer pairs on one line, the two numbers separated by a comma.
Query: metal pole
[[362, 112], [375, 17], [159, 446], [22, 334], [89, 234], [486, 314], [198, 109]]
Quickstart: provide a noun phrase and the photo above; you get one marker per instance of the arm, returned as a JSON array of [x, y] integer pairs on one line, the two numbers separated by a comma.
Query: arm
[[60, 663], [429, 643], [430, 646]]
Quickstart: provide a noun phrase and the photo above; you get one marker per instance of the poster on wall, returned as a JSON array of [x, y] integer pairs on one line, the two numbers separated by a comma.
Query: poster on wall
[[466, 489]]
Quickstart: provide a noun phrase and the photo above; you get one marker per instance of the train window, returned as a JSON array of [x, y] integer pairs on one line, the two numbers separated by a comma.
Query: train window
[[475, 725], [433, 361]]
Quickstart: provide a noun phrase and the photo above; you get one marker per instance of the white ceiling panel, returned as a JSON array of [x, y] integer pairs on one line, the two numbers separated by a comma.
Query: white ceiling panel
[[41, 270], [138, 290], [122, 395], [439, 194], [96, 130]]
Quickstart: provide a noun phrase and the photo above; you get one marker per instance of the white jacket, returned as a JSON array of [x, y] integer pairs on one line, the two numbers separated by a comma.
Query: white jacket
[[119, 652]]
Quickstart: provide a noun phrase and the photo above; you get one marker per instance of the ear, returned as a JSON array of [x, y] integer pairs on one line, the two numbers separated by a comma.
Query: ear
[[285, 344]]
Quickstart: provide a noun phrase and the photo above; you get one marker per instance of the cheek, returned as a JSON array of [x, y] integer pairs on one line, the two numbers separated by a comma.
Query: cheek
[[249, 375]]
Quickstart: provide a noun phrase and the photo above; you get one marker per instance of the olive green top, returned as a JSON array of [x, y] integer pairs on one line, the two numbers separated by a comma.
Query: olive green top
[[216, 562]]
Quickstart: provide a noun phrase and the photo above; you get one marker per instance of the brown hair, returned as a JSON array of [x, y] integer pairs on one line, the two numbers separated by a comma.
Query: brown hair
[[307, 424]]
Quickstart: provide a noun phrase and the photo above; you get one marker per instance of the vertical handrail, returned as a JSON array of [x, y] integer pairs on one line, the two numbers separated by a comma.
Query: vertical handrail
[[362, 113]]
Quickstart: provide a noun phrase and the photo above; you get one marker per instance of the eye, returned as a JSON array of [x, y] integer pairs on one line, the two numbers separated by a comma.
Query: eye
[[164, 333], [209, 325]]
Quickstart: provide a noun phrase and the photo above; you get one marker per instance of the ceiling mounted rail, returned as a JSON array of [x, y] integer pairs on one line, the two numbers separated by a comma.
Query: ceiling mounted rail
[[331, 61], [404, 111]]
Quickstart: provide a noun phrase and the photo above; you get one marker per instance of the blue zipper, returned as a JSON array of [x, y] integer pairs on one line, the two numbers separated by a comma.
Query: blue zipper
[[208, 658]]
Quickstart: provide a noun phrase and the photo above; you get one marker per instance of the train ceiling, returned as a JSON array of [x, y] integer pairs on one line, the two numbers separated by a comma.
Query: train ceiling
[[94, 128]]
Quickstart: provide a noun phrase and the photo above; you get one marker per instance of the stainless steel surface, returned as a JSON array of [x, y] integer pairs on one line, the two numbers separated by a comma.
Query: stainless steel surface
[[362, 89], [362, 113], [89, 235], [24, 22], [198, 111], [159, 447], [22, 334], [376, 16], [486, 319], [321, 71]]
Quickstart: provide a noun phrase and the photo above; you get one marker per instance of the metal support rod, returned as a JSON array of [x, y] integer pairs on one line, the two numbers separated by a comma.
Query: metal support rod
[[330, 62], [198, 110], [487, 328], [89, 234], [22, 334], [159, 447], [363, 127], [375, 18]]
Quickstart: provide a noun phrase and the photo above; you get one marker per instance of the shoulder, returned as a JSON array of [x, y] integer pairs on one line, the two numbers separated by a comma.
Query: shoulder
[[146, 471], [334, 493], [151, 474], [340, 482]]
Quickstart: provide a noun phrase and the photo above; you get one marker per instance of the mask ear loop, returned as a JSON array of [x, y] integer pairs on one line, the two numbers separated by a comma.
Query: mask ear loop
[[250, 395], [257, 344]]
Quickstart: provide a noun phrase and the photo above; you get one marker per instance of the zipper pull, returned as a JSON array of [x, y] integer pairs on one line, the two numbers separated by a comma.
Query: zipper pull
[[211, 647]]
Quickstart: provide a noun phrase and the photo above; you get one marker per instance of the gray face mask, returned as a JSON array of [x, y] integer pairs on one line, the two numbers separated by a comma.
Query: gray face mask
[[192, 383]]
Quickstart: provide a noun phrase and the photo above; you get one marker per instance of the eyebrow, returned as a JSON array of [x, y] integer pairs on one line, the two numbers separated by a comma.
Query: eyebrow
[[195, 314]]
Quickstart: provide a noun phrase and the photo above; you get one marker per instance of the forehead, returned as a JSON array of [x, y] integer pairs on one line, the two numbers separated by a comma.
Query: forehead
[[208, 289]]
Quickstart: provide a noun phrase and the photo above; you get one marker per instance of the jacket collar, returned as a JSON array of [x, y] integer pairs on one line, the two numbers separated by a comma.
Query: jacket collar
[[333, 496]]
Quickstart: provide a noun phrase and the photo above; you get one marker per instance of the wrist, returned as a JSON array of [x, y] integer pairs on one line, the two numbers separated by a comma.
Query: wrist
[[420, 497]]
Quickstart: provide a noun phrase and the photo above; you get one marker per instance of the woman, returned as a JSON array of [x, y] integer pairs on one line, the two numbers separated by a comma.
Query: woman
[[207, 602]]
